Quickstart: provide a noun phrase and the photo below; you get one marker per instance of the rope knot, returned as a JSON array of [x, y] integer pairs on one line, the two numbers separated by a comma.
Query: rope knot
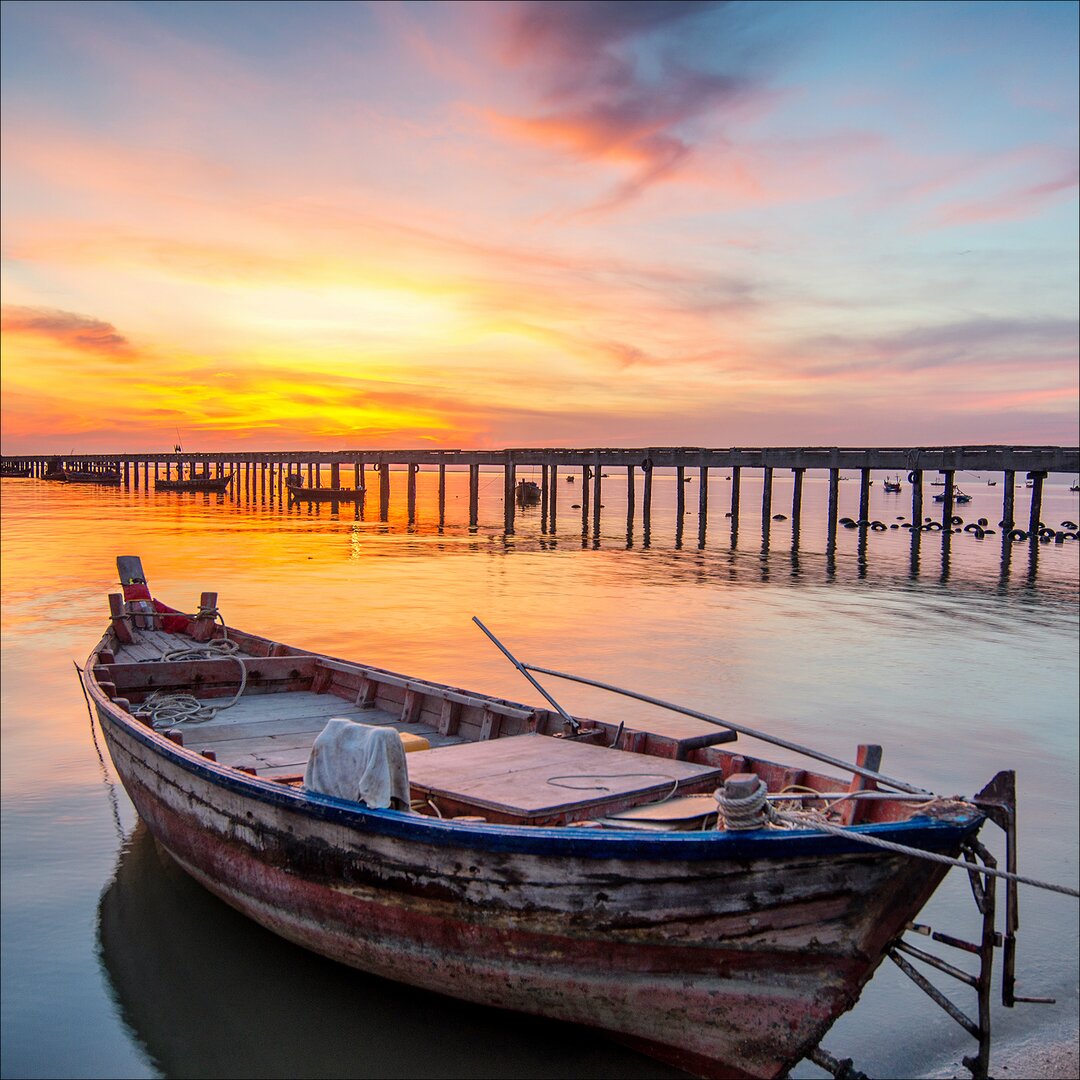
[[742, 803]]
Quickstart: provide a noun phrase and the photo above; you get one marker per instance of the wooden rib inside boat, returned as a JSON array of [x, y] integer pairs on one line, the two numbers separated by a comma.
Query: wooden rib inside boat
[[582, 871]]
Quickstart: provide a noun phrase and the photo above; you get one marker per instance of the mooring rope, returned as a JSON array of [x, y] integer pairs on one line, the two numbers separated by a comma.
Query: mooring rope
[[932, 856], [754, 812]]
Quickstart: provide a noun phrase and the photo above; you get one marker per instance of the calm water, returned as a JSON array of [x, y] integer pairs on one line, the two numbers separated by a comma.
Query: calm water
[[958, 660]]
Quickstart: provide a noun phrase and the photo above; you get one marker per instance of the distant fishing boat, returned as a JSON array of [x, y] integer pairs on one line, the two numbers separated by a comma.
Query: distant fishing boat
[[893, 485], [991, 483], [295, 486], [216, 484], [957, 496], [1075, 485], [11, 471], [527, 492], [92, 476]]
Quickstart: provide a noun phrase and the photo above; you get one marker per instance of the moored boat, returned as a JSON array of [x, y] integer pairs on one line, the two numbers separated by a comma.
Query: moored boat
[[958, 496], [216, 484], [295, 487], [893, 484], [527, 492], [556, 865], [14, 472], [92, 476]]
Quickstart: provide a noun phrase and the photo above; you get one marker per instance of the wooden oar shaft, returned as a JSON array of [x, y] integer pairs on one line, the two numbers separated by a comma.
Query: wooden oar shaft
[[806, 751], [574, 724]]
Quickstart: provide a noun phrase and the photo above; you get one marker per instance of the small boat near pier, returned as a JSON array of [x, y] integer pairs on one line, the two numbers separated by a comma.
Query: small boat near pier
[[527, 493], [958, 496], [108, 476], [298, 492]]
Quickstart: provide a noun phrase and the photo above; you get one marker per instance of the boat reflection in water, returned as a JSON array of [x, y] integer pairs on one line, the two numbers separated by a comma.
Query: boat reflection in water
[[209, 993]]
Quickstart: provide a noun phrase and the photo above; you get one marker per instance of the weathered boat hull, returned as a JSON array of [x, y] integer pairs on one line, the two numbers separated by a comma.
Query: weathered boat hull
[[725, 954]]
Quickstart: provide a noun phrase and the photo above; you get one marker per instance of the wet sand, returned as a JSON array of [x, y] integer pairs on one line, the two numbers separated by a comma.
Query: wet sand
[[1047, 1057], [1035, 1060]]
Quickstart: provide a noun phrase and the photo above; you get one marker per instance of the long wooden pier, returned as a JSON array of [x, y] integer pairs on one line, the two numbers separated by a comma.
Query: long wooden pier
[[268, 472]]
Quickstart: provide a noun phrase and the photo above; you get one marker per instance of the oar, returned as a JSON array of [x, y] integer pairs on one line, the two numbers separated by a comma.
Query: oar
[[742, 728], [574, 724]]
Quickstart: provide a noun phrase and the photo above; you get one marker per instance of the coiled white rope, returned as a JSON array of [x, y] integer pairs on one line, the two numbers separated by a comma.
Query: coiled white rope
[[165, 710], [754, 812]]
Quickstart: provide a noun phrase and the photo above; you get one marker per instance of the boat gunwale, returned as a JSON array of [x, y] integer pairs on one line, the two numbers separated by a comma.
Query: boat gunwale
[[928, 834]]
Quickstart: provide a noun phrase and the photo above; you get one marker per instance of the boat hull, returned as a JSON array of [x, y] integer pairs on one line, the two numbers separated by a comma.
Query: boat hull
[[107, 478], [304, 494], [723, 954]]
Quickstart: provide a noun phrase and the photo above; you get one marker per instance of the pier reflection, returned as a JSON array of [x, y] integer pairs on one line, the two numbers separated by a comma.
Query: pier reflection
[[654, 509], [208, 993]]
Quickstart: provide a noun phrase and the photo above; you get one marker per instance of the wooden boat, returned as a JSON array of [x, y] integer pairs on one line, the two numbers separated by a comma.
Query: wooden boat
[[295, 486], [92, 476], [542, 863], [527, 492], [217, 484], [958, 496], [12, 472], [893, 485]]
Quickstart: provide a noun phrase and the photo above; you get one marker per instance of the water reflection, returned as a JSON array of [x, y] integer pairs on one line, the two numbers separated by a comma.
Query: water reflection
[[432, 521], [208, 993]]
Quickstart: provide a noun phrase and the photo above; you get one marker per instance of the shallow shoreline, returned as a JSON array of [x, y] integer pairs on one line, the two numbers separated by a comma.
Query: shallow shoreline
[[1051, 1057]]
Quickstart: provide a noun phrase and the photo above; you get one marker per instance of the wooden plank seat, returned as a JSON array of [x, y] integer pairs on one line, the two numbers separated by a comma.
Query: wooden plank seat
[[272, 734], [538, 779], [209, 678]]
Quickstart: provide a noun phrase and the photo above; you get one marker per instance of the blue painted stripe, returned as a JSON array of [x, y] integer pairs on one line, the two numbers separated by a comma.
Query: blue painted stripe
[[924, 833]]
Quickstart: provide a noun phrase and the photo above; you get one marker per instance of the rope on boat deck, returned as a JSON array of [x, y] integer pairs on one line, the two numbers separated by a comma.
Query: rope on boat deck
[[754, 812], [167, 710]]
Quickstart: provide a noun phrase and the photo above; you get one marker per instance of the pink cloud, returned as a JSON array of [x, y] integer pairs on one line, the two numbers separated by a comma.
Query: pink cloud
[[1015, 203], [65, 327], [601, 98]]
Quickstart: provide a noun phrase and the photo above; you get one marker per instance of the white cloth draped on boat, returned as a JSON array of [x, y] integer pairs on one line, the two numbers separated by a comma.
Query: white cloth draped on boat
[[360, 762]]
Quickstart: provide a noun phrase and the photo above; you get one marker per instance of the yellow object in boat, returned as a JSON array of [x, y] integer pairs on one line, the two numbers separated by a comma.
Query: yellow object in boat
[[413, 742]]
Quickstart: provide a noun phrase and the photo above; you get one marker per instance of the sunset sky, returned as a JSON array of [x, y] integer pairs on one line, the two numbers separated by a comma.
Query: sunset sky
[[285, 225]]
